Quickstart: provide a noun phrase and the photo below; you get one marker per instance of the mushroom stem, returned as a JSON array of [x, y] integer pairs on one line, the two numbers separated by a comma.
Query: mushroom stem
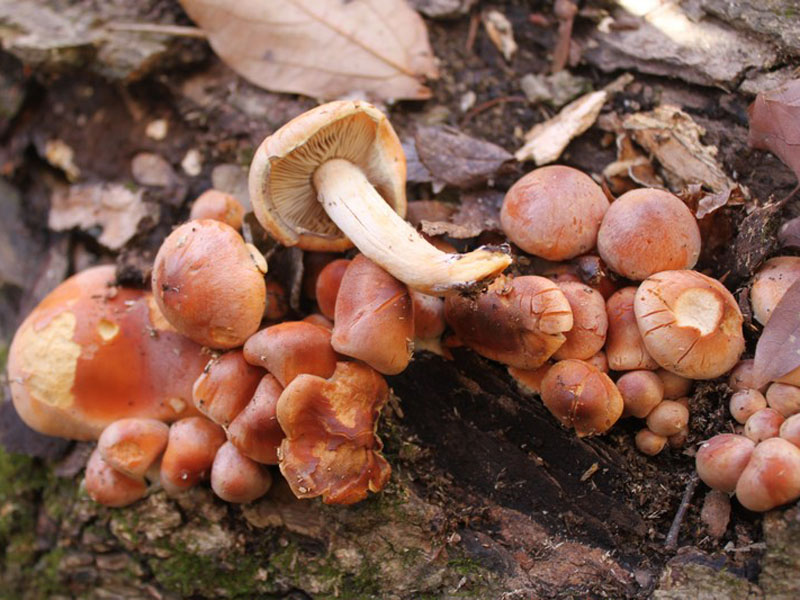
[[385, 238]]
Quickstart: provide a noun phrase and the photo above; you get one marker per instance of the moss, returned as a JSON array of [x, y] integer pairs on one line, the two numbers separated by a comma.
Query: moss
[[46, 577]]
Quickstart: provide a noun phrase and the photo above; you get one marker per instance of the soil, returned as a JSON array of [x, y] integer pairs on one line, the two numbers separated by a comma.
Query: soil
[[490, 497]]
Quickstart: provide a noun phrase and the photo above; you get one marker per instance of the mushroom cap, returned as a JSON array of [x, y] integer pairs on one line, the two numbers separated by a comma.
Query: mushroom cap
[[646, 231], [256, 431], [90, 354], [624, 344], [641, 392], [763, 424], [108, 486], [219, 206], [331, 448], [327, 287], [374, 319], [784, 398], [428, 315], [290, 348], [520, 322], [744, 403], [530, 380], [132, 446], [281, 191], [236, 478], [668, 418], [225, 387], [675, 386], [690, 323], [770, 284], [743, 377], [649, 443], [772, 477], [554, 212], [589, 322], [580, 396], [193, 443], [209, 284], [790, 430], [721, 460]]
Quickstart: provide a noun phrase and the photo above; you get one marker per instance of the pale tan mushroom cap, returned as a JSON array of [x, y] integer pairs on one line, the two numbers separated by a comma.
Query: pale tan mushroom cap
[[691, 325], [281, 189]]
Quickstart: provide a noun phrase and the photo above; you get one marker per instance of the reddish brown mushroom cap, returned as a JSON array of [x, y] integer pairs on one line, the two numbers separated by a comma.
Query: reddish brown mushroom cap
[[331, 449], [429, 320], [691, 325], [743, 377], [291, 348], [90, 354], [225, 387], [192, 445], [784, 398], [327, 287], [590, 322], [641, 392], [530, 380], [581, 397], [554, 212], [209, 284], [236, 478], [374, 319], [770, 284], [721, 460], [277, 301], [109, 487], [649, 443], [219, 206], [771, 477], [668, 418], [745, 403], [763, 424], [675, 386], [256, 432], [790, 430], [132, 446], [624, 344], [520, 322], [647, 231]]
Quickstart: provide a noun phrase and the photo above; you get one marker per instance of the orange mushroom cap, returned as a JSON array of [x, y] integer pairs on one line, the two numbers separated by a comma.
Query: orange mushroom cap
[[721, 460], [327, 287], [109, 487], [236, 478], [331, 449], [193, 443], [219, 206], [132, 446], [771, 477], [624, 344], [590, 322], [225, 387], [256, 431], [92, 353]]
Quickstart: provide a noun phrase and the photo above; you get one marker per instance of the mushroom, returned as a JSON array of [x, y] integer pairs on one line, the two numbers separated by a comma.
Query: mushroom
[[335, 175], [109, 487], [236, 478], [649, 443], [763, 424], [219, 206], [225, 387], [784, 398], [589, 322], [745, 403], [641, 392], [193, 443], [721, 460], [675, 386], [429, 323], [327, 287], [770, 284], [290, 348], [132, 446], [277, 301], [331, 448], [530, 380], [374, 319], [743, 377], [518, 321], [209, 284], [691, 325], [624, 344], [581, 397], [554, 212], [646, 231], [668, 418], [255, 431], [771, 477], [790, 430], [92, 353]]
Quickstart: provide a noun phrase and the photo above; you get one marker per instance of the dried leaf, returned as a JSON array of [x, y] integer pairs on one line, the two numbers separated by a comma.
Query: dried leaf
[[789, 234], [429, 210], [673, 138], [500, 31], [546, 141], [113, 207], [709, 203], [778, 348], [477, 213], [321, 48], [775, 124], [416, 172], [456, 158]]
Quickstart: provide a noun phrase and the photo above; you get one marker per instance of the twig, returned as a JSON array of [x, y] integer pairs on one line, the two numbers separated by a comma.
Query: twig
[[565, 11], [472, 32], [672, 536], [489, 104], [175, 30]]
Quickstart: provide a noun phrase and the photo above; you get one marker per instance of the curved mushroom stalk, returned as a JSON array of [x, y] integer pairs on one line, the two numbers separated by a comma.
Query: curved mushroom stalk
[[384, 237]]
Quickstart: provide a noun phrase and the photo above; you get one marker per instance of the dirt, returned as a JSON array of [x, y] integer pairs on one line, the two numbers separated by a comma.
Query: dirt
[[490, 496]]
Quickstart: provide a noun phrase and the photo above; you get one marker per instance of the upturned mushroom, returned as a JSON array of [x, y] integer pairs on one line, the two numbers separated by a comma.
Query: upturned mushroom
[[331, 448], [92, 353], [335, 176]]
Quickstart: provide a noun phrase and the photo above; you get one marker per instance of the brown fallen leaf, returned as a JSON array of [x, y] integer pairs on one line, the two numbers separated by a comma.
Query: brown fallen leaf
[[113, 207], [429, 210], [673, 138], [775, 124], [632, 167], [500, 31], [321, 48], [546, 141], [478, 212], [456, 158], [778, 348]]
